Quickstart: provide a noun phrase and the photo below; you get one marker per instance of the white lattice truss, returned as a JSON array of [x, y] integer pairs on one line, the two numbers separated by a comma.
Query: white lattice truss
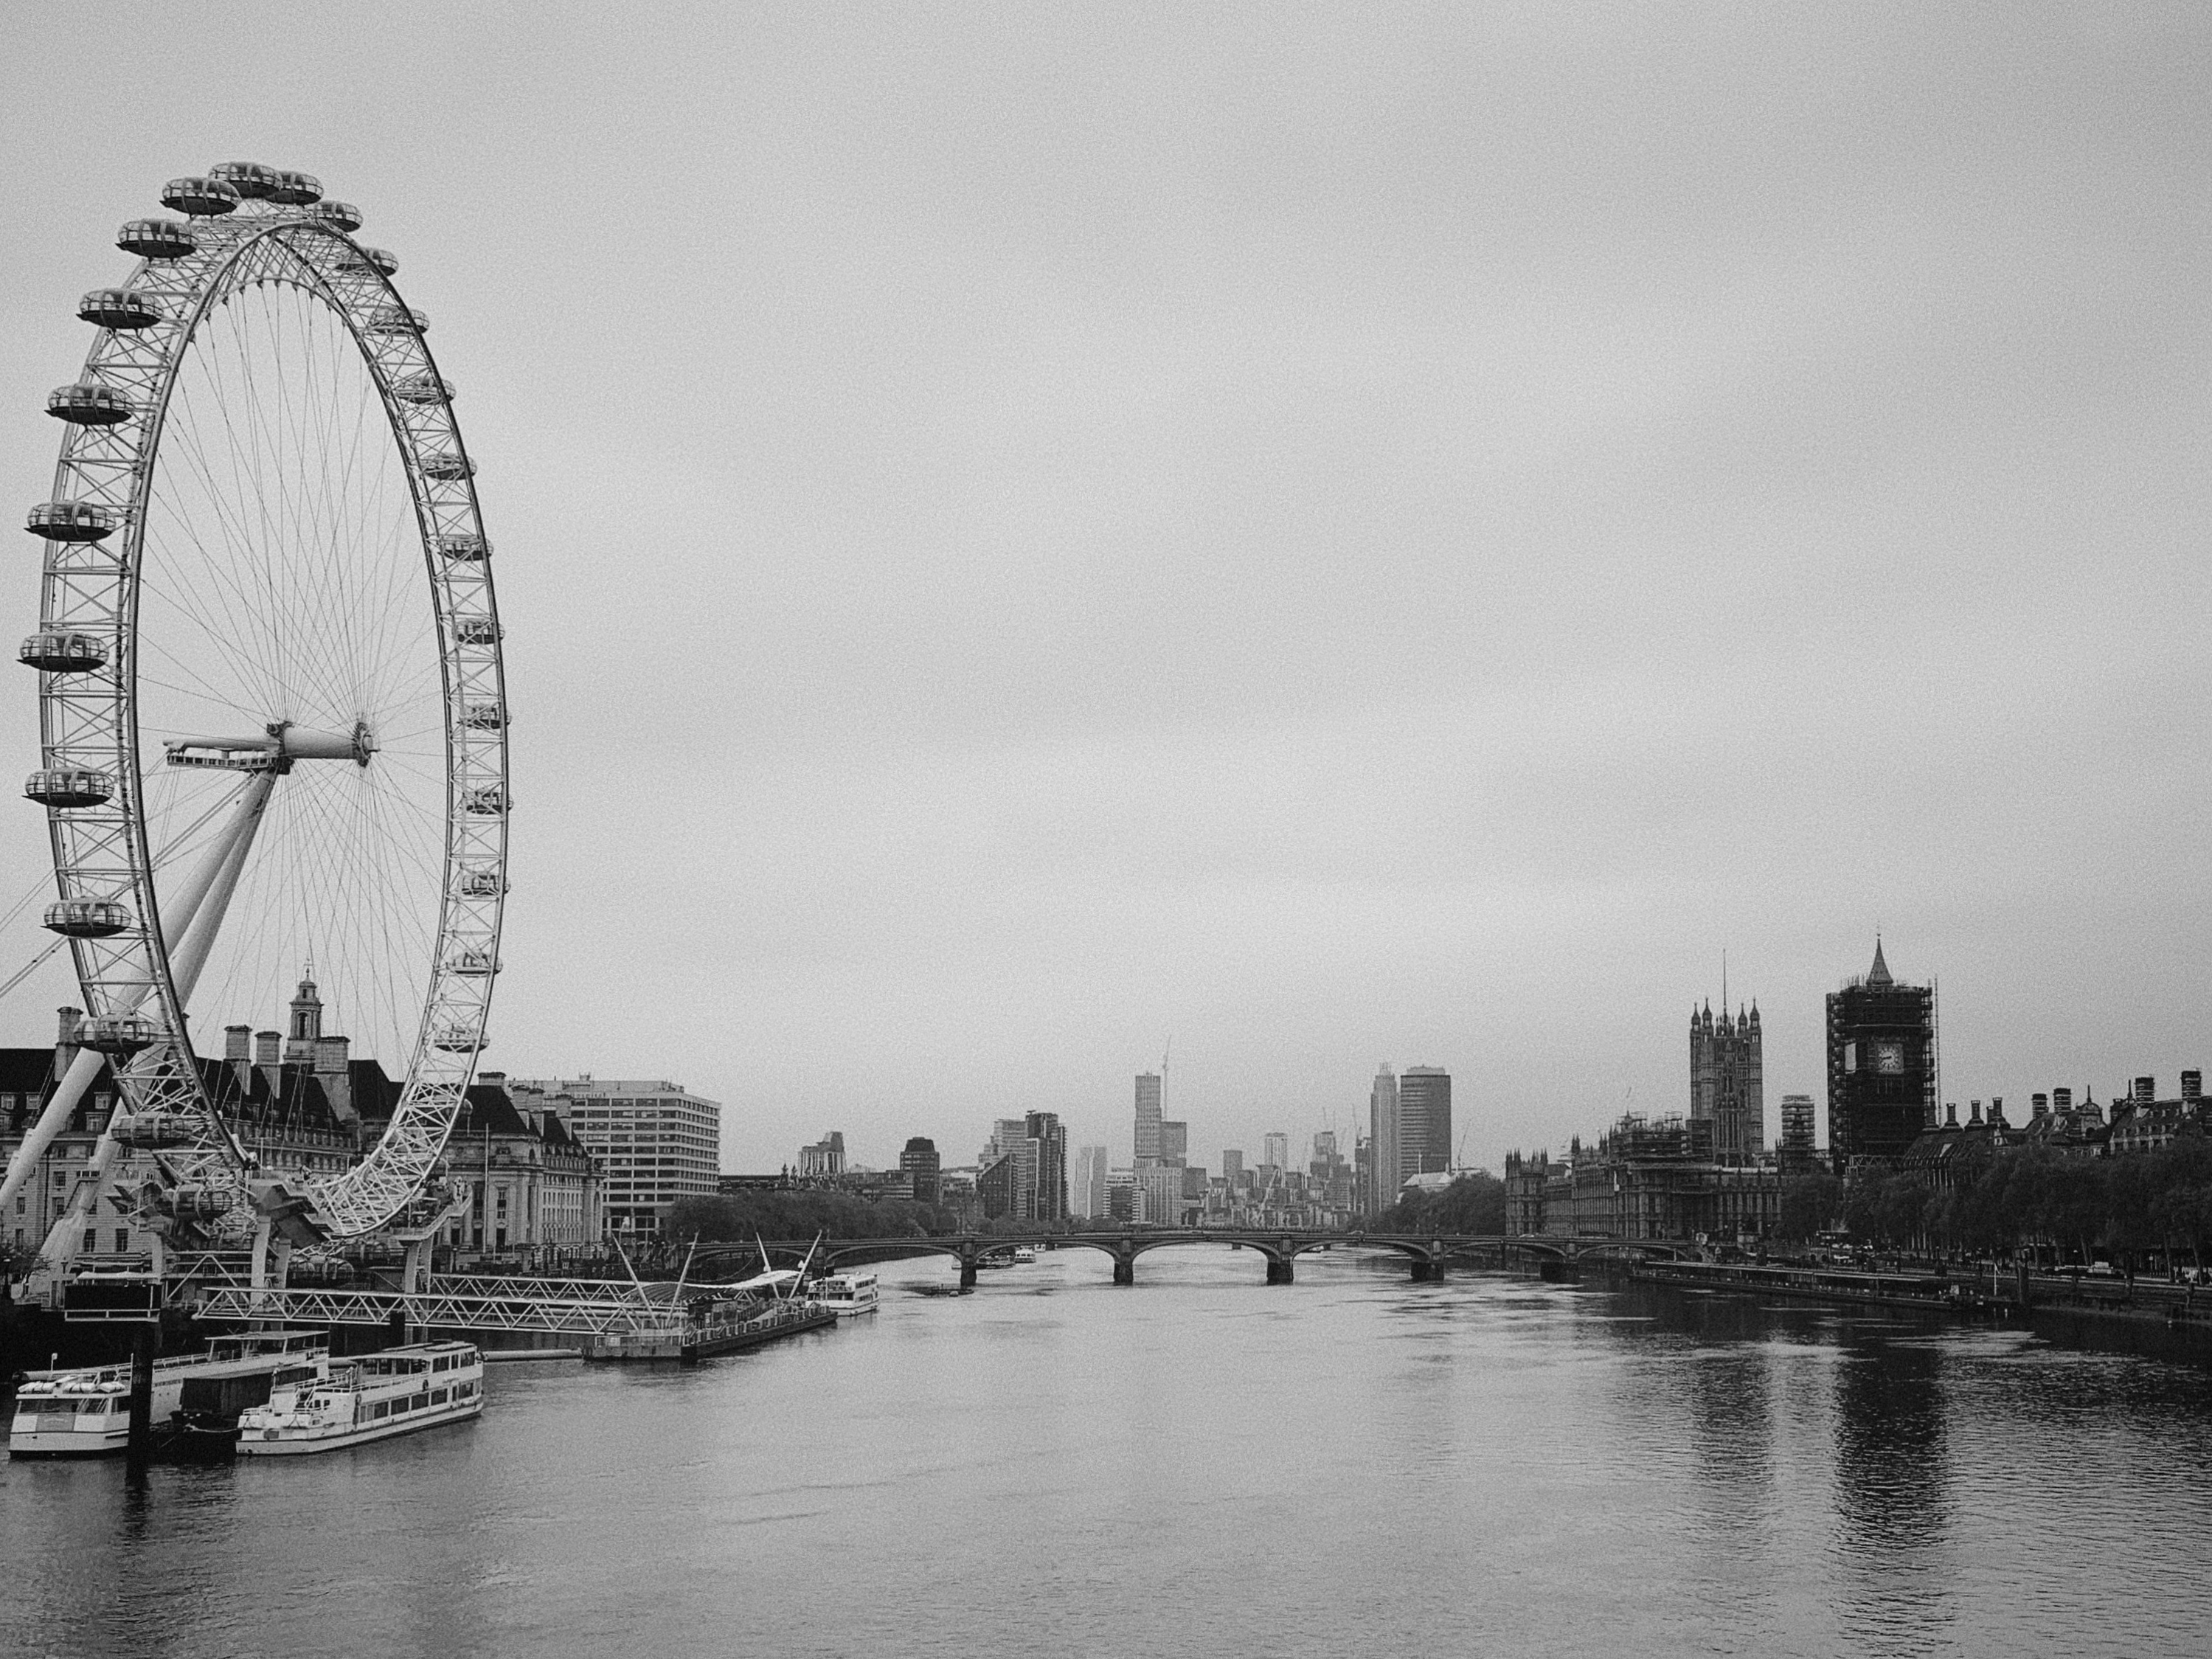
[[567, 1307], [202, 1188]]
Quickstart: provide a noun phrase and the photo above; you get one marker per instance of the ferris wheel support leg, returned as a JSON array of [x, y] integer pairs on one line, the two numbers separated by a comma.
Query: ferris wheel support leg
[[190, 922]]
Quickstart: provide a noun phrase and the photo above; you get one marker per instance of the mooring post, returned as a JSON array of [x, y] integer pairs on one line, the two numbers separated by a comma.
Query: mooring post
[[144, 1347]]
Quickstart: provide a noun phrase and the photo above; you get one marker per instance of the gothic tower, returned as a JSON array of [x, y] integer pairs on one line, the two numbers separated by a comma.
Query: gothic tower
[[1726, 1081]]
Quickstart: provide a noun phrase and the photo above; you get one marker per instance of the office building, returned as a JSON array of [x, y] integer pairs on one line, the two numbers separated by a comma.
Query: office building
[[1175, 1144], [1726, 1087], [1087, 1195], [1881, 1066], [1424, 1122], [1382, 1140], [825, 1159], [1045, 1133], [1275, 1150], [654, 1141], [1148, 1118], [919, 1161], [1232, 1166]]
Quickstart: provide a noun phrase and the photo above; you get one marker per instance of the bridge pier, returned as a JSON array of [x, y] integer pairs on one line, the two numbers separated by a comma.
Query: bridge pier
[[1124, 1265], [967, 1267], [1280, 1270]]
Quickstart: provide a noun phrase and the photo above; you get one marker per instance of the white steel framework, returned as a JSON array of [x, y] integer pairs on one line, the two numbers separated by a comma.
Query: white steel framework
[[258, 452]]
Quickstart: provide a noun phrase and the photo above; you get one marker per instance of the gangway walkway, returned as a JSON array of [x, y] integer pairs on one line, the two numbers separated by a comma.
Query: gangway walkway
[[563, 1307]]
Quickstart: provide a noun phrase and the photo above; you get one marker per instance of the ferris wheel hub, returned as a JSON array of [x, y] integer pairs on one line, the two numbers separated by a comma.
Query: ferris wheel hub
[[282, 744]]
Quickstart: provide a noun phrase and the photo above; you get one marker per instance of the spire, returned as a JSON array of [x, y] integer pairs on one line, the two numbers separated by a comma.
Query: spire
[[1879, 974]]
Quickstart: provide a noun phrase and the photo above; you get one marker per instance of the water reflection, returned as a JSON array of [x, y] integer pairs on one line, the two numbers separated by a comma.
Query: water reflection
[[1892, 1510]]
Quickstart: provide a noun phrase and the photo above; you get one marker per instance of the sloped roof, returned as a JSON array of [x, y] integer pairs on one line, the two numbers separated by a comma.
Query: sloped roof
[[1879, 974]]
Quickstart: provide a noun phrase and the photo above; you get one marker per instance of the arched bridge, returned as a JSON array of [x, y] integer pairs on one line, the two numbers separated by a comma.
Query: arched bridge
[[1427, 1253]]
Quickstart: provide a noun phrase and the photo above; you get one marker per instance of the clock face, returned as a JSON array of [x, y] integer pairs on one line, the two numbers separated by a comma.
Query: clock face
[[1889, 1059]]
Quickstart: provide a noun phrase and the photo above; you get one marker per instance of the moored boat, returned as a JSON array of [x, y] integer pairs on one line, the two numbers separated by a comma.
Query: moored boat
[[376, 1397], [847, 1294], [86, 1412]]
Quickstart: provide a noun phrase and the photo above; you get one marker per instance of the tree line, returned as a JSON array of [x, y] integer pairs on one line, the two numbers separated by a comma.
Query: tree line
[[1475, 1203], [800, 1213], [2018, 1200]]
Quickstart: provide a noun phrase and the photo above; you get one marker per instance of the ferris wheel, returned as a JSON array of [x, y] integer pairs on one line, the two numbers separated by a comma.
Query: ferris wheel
[[273, 713]]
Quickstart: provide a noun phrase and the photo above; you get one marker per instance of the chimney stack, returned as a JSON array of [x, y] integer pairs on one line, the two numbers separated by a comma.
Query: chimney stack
[[1997, 1111], [267, 1048], [65, 1044], [336, 1076], [2192, 1085], [2038, 1105], [1976, 1107], [2062, 1100], [237, 1042], [1951, 1115], [2146, 1089]]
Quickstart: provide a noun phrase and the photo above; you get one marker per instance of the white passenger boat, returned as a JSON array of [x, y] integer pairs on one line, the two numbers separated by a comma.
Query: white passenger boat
[[847, 1294], [375, 1396], [1024, 1255], [86, 1412]]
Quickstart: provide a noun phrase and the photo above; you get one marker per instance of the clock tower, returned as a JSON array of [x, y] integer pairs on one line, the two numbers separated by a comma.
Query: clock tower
[[1881, 1066]]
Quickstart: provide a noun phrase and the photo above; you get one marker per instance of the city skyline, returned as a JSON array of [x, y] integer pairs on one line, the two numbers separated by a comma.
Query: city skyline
[[1408, 568]]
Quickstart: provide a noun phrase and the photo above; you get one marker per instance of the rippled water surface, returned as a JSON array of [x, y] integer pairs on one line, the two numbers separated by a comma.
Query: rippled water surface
[[1199, 1465]]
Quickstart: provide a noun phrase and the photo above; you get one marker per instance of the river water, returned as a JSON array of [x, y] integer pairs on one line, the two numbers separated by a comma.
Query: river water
[[1201, 1464]]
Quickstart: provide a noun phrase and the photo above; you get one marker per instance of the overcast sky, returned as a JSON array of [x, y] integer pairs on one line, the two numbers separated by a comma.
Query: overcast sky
[[1340, 535]]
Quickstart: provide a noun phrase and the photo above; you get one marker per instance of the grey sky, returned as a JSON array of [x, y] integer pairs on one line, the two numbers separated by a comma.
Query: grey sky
[[1342, 534]]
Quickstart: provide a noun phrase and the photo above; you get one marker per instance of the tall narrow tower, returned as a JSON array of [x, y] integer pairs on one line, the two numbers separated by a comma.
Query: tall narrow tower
[[1726, 1081], [305, 1026], [1148, 1120], [1882, 1064]]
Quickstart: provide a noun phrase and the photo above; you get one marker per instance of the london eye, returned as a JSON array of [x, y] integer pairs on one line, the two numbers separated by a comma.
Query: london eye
[[272, 706]]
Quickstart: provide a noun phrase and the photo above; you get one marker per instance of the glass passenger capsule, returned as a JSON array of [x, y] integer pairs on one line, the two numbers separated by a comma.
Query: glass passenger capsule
[[118, 307], [116, 1034], [88, 403], [157, 239], [199, 1205], [369, 259], [458, 1039], [69, 787], [448, 467], [478, 630], [87, 918], [468, 548], [249, 179], [396, 319], [485, 716], [486, 801], [295, 189], [205, 197], [339, 215], [422, 389], [481, 881], [54, 651], [473, 965], [72, 521], [153, 1130]]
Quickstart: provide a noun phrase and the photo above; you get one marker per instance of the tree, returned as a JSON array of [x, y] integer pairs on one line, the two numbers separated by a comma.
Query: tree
[[1811, 1200], [1475, 1203]]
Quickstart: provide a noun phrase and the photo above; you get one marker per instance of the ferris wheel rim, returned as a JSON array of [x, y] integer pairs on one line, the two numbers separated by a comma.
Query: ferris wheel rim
[[120, 463]]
